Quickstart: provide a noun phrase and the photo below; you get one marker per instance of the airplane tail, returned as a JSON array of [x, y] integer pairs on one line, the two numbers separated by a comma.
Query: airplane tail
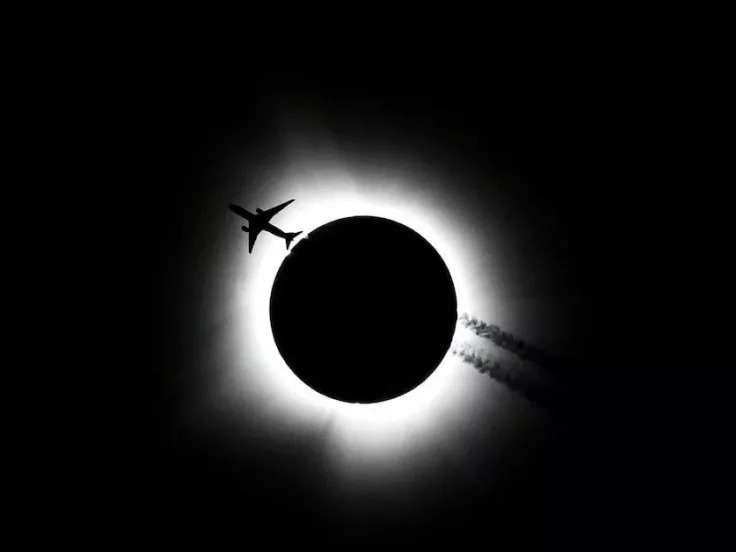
[[289, 237]]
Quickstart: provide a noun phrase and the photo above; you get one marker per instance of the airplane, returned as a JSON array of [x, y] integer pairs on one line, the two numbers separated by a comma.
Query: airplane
[[260, 220]]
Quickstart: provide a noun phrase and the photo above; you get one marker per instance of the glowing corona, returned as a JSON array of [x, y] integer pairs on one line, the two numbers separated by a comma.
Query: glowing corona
[[264, 384]]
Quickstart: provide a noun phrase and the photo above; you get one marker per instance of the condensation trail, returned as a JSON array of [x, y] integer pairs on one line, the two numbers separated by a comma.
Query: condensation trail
[[511, 343], [529, 376]]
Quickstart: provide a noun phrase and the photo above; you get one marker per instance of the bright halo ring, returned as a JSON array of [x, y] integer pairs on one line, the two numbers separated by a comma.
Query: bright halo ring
[[265, 379]]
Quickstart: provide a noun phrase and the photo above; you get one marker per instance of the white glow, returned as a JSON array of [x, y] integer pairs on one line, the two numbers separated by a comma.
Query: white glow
[[359, 435]]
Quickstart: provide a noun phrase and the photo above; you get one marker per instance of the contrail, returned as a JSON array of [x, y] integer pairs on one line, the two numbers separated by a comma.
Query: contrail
[[531, 376], [543, 392], [503, 339], [511, 343]]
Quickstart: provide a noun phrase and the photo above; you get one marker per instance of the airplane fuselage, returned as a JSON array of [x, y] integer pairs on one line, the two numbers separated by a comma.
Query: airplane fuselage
[[260, 220], [256, 225]]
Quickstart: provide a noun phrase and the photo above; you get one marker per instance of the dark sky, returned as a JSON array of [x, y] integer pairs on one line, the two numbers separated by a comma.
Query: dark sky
[[109, 236]]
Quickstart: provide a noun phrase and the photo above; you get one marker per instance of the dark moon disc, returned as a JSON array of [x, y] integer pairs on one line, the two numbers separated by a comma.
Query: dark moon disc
[[363, 309]]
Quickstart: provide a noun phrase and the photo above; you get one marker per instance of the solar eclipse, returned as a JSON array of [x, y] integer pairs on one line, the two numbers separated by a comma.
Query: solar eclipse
[[334, 306]]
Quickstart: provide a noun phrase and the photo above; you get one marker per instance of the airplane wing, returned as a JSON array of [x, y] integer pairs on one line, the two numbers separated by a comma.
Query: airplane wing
[[252, 240], [269, 213]]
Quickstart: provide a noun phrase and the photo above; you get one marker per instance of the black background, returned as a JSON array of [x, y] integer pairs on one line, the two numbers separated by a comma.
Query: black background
[[123, 116]]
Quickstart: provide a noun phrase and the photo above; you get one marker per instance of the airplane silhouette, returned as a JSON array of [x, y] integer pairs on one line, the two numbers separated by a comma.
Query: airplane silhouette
[[261, 221]]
